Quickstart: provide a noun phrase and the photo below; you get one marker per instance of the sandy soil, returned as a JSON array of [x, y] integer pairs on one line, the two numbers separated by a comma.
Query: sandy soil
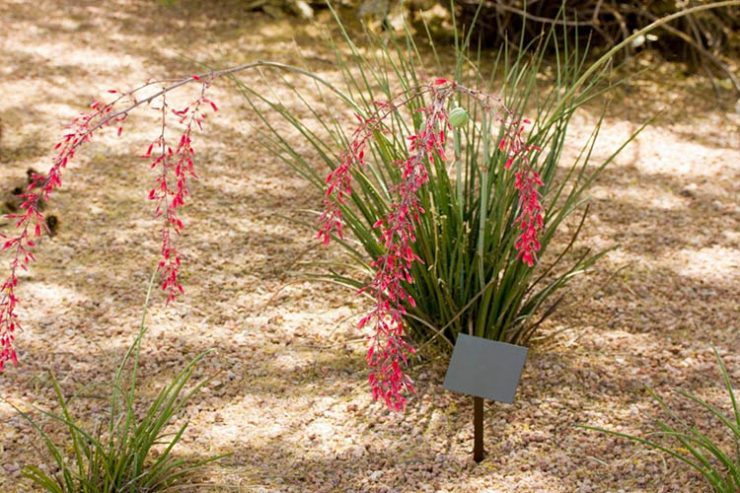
[[288, 397]]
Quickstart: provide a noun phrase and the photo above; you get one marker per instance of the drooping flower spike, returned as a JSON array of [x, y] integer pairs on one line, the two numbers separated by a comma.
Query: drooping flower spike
[[527, 181]]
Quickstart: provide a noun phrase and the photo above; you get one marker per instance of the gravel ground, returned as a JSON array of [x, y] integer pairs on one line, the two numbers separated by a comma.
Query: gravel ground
[[288, 396]]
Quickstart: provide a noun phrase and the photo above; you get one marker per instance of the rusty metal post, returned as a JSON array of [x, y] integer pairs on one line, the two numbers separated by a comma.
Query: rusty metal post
[[478, 452]]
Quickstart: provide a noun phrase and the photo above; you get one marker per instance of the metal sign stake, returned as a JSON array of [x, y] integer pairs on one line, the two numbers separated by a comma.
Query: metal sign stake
[[478, 452]]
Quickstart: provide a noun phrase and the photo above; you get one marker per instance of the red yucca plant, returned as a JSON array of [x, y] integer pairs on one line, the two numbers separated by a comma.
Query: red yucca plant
[[451, 242], [393, 267]]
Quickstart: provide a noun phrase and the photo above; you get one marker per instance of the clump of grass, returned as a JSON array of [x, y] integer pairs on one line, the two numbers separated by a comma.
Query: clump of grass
[[133, 451]]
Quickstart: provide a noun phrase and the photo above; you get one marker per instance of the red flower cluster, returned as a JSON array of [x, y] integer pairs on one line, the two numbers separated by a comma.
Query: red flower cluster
[[387, 348], [339, 181], [393, 269], [30, 224], [176, 168], [527, 181]]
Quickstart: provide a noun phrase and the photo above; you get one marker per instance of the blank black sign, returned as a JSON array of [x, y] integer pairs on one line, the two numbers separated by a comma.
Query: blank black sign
[[484, 368]]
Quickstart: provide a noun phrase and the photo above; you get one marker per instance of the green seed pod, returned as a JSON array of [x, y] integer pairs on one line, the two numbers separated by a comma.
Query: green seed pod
[[458, 117]]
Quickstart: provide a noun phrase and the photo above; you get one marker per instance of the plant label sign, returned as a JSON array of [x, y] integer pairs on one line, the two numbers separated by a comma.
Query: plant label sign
[[485, 368]]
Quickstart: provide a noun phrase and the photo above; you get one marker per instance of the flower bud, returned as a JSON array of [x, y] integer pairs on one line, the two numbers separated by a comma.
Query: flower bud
[[458, 117]]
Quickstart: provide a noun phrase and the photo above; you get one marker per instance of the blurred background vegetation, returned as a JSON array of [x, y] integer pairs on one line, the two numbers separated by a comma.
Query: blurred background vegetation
[[706, 42]]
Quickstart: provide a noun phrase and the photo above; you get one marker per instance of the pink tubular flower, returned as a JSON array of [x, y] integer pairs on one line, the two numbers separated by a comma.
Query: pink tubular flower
[[339, 181], [527, 181], [530, 218]]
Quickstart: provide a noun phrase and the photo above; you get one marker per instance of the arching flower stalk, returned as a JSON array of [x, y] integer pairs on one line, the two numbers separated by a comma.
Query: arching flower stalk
[[176, 168], [30, 223], [388, 349]]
